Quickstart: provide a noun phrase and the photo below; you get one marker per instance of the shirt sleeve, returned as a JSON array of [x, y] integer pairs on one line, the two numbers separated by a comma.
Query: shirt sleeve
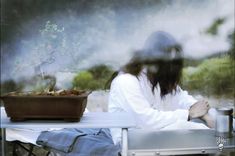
[[127, 88], [184, 100]]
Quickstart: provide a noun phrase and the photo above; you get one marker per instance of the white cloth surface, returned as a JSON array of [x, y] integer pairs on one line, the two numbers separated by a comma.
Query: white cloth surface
[[134, 95], [181, 124], [25, 135]]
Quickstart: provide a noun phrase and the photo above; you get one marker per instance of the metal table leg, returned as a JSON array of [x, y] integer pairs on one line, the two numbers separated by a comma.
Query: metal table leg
[[124, 142], [3, 134]]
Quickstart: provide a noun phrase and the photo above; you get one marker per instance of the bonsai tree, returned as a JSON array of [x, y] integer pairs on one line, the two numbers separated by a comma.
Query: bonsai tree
[[44, 49]]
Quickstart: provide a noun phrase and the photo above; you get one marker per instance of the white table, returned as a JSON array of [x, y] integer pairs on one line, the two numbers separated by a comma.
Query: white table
[[89, 120], [176, 142]]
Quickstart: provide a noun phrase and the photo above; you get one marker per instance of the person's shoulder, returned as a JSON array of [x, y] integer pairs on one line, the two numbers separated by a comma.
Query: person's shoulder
[[125, 78]]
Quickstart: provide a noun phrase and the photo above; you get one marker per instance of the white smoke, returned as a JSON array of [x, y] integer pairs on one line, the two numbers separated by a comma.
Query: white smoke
[[188, 22], [98, 38]]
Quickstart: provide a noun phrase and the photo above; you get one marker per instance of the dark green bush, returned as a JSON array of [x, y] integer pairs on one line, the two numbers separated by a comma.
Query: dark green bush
[[83, 80], [9, 86], [93, 79], [231, 39], [213, 29], [101, 71]]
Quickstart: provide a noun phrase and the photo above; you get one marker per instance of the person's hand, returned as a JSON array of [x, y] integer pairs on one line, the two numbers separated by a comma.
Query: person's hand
[[198, 109], [209, 120]]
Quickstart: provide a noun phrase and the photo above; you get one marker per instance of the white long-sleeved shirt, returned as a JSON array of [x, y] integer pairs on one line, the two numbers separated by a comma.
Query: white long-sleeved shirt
[[134, 95]]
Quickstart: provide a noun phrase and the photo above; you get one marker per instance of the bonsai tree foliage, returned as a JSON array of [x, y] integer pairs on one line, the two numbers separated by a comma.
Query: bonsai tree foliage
[[43, 50]]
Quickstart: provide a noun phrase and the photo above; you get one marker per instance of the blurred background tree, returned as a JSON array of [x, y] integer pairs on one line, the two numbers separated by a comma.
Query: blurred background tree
[[214, 76], [231, 39], [213, 29], [94, 78]]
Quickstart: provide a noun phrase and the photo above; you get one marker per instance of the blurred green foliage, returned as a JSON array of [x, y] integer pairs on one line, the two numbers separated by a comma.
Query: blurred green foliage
[[38, 83], [231, 39], [100, 71], [94, 78], [84, 80], [9, 86], [213, 29], [213, 76], [35, 83]]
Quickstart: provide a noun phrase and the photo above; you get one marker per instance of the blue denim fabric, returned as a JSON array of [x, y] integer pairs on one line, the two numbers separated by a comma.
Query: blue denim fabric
[[80, 142], [61, 140]]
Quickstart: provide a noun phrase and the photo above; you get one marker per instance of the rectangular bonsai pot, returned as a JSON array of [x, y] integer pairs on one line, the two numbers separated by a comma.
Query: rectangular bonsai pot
[[68, 108]]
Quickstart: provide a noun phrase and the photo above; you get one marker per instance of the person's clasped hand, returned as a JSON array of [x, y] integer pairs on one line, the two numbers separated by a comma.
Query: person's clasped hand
[[198, 110]]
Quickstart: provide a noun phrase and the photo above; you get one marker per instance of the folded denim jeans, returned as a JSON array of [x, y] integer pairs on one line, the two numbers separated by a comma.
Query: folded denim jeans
[[61, 140], [82, 142]]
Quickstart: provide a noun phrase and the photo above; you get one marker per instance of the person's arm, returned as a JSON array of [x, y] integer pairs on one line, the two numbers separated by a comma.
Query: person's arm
[[183, 99], [210, 122], [200, 110], [197, 109], [127, 88]]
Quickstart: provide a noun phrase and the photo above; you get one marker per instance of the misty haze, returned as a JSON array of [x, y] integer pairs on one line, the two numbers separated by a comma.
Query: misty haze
[[60, 40], [70, 52]]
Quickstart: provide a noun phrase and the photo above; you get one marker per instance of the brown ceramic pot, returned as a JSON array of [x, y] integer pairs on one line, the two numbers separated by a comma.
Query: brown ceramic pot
[[69, 108]]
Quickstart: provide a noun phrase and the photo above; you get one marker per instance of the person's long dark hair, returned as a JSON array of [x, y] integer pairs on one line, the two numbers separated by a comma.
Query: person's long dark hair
[[133, 67], [168, 73], [167, 76], [162, 57]]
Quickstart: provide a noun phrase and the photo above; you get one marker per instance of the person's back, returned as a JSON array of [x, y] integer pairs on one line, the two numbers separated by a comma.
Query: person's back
[[148, 88]]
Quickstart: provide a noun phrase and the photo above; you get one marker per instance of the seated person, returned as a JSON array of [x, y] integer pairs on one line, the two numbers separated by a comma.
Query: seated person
[[148, 88]]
